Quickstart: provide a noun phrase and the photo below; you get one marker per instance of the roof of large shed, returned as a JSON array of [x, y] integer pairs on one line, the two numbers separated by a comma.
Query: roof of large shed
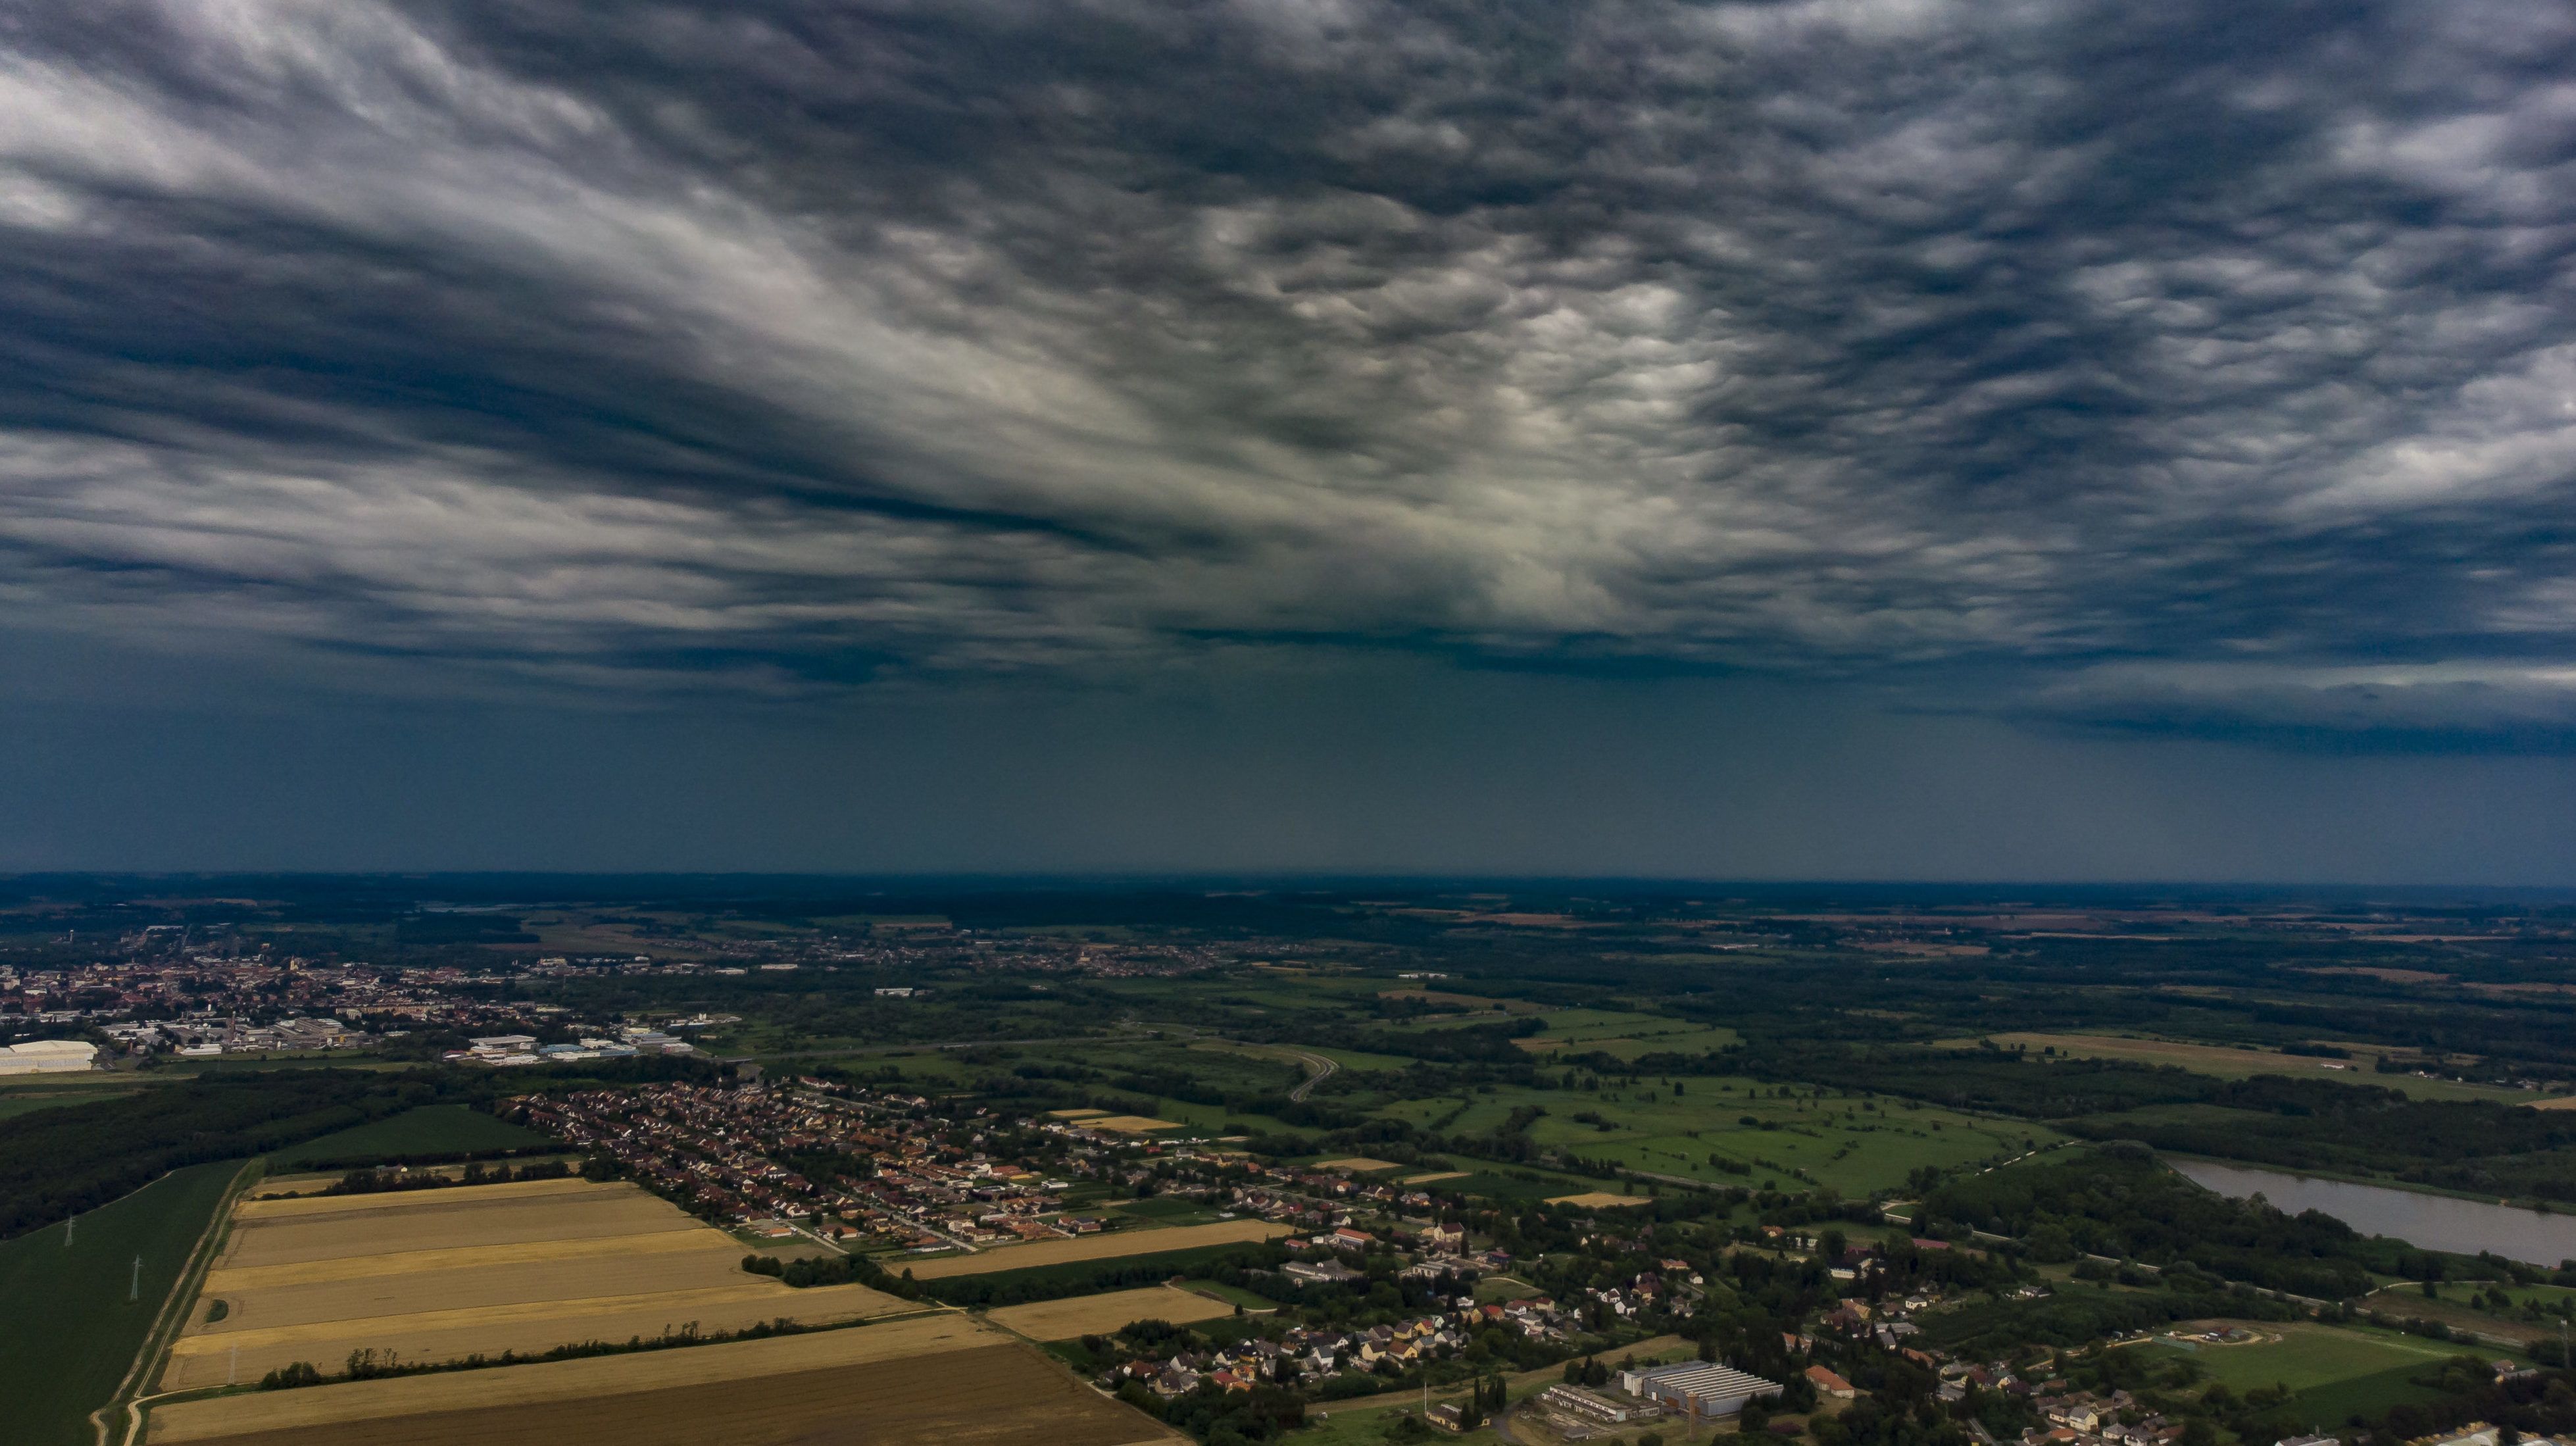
[[1704, 1378]]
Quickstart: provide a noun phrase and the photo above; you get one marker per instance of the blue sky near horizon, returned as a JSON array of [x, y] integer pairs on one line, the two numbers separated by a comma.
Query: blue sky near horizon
[[1804, 438]]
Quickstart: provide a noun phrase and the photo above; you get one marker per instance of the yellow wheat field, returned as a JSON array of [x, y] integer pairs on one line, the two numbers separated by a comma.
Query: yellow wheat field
[[266, 1232], [1599, 1200], [515, 1269]]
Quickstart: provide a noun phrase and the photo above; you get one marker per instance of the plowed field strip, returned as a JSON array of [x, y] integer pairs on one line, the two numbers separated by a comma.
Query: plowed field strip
[[991, 1396], [309, 1205], [677, 1304], [468, 1257], [1098, 1247], [603, 1376], [509, 1284], [209, 1360], [287, 1242]]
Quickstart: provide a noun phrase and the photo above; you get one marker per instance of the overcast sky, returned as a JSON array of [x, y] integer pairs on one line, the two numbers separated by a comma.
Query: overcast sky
[[1835, 438]]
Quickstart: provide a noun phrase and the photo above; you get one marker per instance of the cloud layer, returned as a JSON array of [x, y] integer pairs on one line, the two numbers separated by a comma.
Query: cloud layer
[[2142, 362]]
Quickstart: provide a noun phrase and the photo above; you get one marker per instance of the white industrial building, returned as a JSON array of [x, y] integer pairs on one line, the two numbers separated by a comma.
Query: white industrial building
[[49, 1056], [1699, 1390]]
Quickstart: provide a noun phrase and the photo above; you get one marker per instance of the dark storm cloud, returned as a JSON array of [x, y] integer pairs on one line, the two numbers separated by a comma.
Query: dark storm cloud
[[2176, 361]]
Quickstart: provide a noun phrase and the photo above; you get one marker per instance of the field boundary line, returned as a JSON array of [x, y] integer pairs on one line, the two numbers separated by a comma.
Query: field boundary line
[[127, 1398]]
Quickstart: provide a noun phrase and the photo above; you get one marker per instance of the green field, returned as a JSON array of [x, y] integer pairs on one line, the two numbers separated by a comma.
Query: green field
[[71, 1329], [1167, 1210], [1504, 1186], [429, 1130], [2237, 1062], [2322, 1408], [1232, 1294], [1853, 1144], [23, 1102], [2331, 1371]]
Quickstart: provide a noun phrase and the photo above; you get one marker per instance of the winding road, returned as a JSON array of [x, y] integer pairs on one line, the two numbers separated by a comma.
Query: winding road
[[1319, 1069]]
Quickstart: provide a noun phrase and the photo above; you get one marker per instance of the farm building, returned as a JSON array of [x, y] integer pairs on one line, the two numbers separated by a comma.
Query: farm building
[[1696, 1389]]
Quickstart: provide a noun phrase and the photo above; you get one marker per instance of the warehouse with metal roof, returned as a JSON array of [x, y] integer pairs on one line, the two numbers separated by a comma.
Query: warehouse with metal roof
[[1699, 1389]]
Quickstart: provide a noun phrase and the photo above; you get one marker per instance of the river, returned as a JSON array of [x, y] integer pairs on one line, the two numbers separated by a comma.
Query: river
[[2435, 1222]]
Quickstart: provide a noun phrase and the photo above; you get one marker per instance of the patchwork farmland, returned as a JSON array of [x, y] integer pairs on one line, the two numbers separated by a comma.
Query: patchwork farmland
[[928, 1378], [437, 1275]]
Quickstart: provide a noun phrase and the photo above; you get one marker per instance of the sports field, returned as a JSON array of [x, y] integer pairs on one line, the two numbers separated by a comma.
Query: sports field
[[433, 1275], [937, 1378], [1062, 1320], [1098, 1247]]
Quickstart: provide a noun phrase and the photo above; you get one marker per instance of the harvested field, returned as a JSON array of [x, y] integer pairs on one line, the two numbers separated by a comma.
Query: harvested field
[[1130, 1124], [1061, 1320], [1434, 1177], [1099, 1247], [403, 1262], [1074, 1114], [1599, 1200], [1358, 1165], [521, 1267], [930, 1379], [259, 1304], [284, 1232]]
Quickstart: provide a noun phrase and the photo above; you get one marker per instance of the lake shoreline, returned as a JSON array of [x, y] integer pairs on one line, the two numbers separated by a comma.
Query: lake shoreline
[[2426, 1220]]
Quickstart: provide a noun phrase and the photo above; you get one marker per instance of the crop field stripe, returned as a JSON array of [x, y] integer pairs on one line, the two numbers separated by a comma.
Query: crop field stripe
[[394, 1199], [466, 1257], [590, 1278], [563, 1380], [995, 1395], [679, 1302], [260, 1242], [1097, 1247]]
